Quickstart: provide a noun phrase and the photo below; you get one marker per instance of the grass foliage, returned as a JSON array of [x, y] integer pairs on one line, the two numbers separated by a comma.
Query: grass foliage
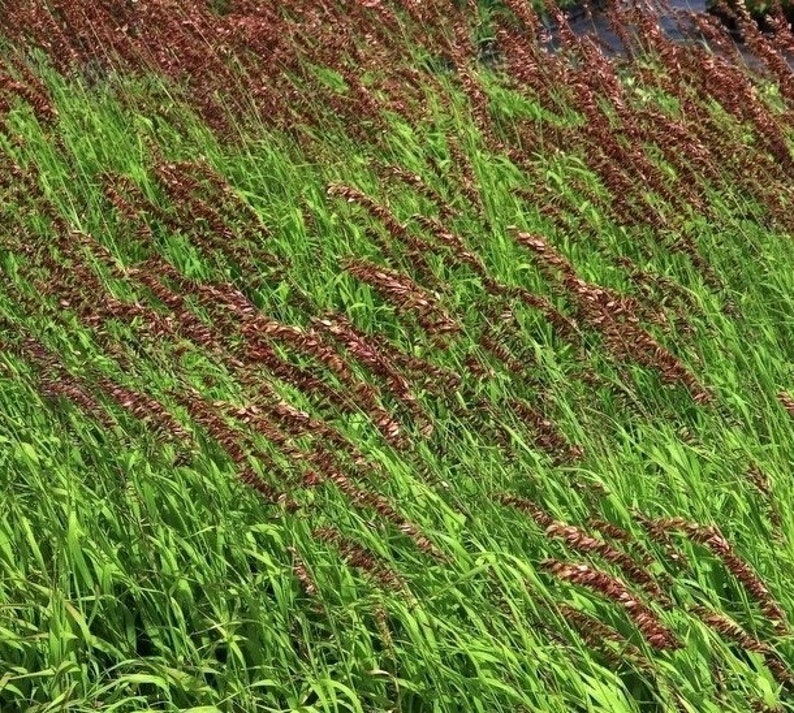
[[437, 386]]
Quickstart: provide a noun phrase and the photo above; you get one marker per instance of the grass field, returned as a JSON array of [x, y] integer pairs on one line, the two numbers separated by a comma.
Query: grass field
[[340, 371]]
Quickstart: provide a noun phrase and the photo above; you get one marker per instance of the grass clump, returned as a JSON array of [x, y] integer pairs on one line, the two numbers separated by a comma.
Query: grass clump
[[331, 382]]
